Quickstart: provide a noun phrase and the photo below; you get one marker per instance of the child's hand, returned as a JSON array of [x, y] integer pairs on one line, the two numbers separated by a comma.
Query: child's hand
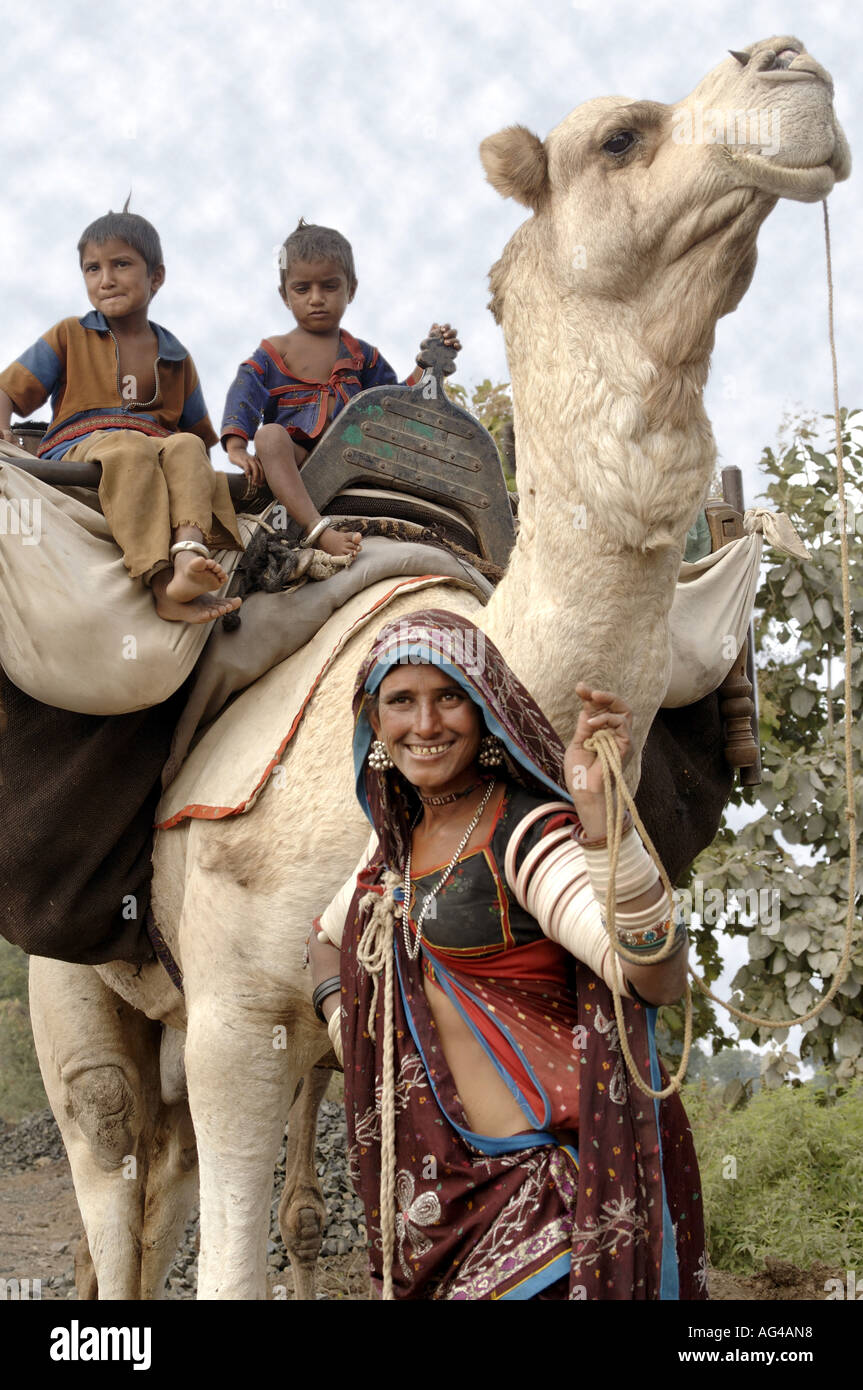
[[250, 463], [253, 469], [7, 435], [449, 335]]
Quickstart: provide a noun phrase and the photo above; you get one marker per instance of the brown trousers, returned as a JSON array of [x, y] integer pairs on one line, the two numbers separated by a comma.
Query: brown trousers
[[150, 486]]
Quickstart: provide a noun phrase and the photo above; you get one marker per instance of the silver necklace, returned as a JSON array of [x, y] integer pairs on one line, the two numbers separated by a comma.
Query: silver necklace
[[413, 950]]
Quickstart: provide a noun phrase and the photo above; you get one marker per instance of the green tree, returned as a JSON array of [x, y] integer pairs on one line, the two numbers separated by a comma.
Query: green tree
[[492, 406], [798, 844]]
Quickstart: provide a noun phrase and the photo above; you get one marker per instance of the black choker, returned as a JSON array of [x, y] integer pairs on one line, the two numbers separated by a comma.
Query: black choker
[[448, 797]]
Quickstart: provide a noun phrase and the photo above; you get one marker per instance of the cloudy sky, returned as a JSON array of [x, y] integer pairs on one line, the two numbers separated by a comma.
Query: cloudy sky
[[229, 120]]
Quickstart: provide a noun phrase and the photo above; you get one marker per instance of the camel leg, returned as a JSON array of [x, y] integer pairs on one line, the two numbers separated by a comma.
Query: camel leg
[[85, 1275], [240, 1090], [99, 1061], [302, 1209], [172, 1186]]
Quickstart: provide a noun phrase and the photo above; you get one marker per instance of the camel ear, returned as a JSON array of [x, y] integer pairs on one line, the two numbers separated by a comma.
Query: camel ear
[[516, 164]]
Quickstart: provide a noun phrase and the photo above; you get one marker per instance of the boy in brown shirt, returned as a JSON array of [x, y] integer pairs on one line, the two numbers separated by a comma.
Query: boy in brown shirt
[[125, 392]]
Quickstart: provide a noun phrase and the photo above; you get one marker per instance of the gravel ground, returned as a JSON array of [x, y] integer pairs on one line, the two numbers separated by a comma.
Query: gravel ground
[[35, 1143]]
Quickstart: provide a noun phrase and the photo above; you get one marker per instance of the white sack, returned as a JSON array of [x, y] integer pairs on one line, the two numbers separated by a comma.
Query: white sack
[[75, 630]]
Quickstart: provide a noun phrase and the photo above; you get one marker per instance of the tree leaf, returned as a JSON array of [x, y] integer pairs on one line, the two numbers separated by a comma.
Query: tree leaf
[[793, 584], [801, 609], [803, 701], [823, 611], [796, 939]]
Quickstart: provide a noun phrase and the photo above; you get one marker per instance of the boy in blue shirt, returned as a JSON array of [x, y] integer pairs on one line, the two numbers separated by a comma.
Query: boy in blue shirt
[[296, 382]]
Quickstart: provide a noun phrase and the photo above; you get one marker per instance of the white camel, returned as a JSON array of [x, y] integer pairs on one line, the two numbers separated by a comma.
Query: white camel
[[642, 236]]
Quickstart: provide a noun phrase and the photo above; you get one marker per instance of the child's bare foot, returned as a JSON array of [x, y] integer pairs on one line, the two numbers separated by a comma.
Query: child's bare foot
[[193, 575], [200, 610], [339, 542]]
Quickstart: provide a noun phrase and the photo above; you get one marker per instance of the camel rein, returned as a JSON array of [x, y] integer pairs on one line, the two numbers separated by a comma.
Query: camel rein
[[604, 745]]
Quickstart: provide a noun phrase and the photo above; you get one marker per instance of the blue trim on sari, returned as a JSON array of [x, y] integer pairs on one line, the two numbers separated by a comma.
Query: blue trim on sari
[[558, 1269], [446, 976], [669, 1277], [486, 1143]]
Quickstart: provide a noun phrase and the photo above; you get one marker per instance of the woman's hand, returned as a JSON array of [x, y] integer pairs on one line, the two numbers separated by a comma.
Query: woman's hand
[[582, 768]]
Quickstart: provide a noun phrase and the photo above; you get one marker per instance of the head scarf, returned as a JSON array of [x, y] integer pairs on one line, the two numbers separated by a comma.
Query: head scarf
[[533, 753]]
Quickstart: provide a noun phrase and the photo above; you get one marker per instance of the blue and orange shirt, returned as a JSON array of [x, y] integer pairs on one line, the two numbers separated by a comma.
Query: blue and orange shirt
[[266, 391], [76, 364]]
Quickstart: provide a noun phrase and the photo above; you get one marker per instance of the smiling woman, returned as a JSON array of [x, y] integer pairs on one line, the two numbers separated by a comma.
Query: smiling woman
[[523, 1165]]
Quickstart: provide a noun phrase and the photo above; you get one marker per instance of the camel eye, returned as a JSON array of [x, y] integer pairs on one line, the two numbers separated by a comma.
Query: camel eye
[[619, 143]]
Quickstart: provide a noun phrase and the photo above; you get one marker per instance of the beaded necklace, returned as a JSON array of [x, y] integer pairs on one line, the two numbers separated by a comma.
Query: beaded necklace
[[414, 950]]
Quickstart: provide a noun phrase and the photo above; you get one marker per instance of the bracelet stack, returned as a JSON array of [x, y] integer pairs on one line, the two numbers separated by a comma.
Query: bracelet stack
[[325, 988]]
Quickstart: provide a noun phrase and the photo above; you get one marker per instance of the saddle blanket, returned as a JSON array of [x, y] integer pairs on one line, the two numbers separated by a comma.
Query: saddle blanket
[[214, 781]]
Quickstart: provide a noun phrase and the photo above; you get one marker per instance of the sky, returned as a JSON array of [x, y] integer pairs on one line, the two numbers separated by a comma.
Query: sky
[[228, 121]]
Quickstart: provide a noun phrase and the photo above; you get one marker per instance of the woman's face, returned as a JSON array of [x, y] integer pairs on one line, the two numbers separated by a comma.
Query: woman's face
[[431, 728]]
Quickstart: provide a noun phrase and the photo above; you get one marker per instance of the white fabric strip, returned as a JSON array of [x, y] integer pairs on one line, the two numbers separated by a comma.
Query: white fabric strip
[[332, 920]]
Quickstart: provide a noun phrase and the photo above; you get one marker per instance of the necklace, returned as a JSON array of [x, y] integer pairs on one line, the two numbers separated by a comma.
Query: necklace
[[449, 797], [414, 950]]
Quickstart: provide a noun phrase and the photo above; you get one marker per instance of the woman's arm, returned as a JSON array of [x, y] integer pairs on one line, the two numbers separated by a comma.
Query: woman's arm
[[325, 961], [656, 984]]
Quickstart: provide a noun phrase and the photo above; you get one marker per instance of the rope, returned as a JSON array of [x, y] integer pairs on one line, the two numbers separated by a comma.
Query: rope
[[604, 745], [375, 954]]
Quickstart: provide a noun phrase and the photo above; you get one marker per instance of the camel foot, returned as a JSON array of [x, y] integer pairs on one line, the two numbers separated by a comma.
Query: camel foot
[[303, 1246], [306, 1235]]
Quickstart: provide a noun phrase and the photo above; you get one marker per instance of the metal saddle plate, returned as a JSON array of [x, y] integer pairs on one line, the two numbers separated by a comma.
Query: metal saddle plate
[[415, 441]]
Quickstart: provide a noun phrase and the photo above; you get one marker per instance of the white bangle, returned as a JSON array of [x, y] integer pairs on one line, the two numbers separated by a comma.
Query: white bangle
[[334, 1028], [314, 531], [198, 547], [636, 871]]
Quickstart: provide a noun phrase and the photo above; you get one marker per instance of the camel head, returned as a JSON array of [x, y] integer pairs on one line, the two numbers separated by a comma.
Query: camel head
[[645, 217]]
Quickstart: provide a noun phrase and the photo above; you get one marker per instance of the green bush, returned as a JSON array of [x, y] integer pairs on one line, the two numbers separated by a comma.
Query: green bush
[[21, 1090], [797, 1154]]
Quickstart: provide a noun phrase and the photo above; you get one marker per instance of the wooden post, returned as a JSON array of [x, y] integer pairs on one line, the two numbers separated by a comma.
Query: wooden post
[[739, 690]]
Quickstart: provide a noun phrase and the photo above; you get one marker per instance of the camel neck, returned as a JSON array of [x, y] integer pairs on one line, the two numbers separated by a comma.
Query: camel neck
[[606, 495]]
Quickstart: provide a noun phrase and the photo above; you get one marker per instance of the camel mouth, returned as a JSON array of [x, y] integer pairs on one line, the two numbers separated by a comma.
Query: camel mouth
[[801, 182]]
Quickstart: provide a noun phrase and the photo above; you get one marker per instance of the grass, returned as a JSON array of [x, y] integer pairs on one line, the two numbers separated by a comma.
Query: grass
[[782, 1176]]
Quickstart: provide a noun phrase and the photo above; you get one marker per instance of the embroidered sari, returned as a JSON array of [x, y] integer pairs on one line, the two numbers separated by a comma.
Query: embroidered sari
[[601, 1187]]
